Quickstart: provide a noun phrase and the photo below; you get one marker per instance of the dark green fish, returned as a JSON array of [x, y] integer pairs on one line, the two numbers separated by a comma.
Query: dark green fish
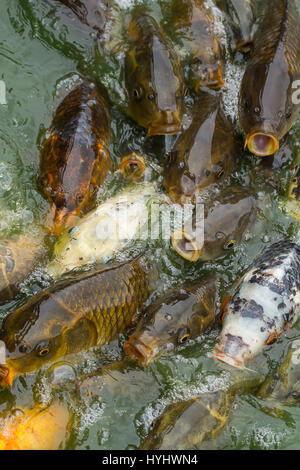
[[181, 313], [267, 107], [73, 315], [153, 78], [203, 154], [226, 218], [241, 16]]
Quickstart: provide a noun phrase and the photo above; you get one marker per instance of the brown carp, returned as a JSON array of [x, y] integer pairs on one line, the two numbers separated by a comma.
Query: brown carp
[[203, 153], [241, 15], [226, 219], [73, 315], [181, 313], [74, 160], [36, 429], [18, 258], [266, 107], [194, 24], [153, 78]]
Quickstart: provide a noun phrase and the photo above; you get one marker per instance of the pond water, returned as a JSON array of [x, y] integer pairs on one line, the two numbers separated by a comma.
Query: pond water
[[39, 62]]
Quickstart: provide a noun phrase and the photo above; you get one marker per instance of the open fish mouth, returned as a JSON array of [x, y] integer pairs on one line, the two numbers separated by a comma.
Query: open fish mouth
[[262, 144], [138, 351], [185, 245]]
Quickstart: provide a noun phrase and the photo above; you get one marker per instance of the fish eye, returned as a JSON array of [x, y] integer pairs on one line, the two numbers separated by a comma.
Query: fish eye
[[43, 349], [151, 96], [138, 92], [288, 115], [257, 109], [229, 244], [183, 335], [79, 198]]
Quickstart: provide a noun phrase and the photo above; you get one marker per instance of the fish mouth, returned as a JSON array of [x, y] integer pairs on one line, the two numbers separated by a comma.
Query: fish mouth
[[138, 351], [185, 245], [232, 361], [262, 144], [245, 46], [6, 376], [59, 220], [164, 129], [133, 167]]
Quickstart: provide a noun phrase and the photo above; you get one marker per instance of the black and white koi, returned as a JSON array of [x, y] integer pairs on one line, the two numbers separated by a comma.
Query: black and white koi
[[265, 302]]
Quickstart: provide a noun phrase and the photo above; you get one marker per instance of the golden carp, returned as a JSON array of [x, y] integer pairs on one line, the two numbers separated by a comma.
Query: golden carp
[[18, 258], [241, 15], [226, 219], [107, 229], [194, 24], [153, 78], [73, 315], [202, 154], [74, 160], [133, 167], [265, 301], [36, 429], [266, 107], [181, 313]]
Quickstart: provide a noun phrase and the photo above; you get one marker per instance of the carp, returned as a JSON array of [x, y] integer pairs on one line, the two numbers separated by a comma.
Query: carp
[[180, 314], [194, 24], [265, 301], [153, 78], [226, 218], [241, 15], [203, 154], [18, 258], [74, 159], [266, 107], [107, 229], [188, 424], [73, 315]]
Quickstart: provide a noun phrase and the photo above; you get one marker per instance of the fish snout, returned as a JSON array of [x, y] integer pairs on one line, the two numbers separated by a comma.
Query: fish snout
[[138, 351], [168, 123], [262, 143], [186, 245], [232, 350]]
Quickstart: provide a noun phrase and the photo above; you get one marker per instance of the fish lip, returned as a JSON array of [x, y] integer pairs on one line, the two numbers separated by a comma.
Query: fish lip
[[255, 151], [190, 255], [164, 129], [138, 351], [245, 46], [223, 357], [6, 376]]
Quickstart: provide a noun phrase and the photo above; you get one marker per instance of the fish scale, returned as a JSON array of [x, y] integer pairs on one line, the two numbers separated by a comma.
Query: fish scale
[[76, 314]]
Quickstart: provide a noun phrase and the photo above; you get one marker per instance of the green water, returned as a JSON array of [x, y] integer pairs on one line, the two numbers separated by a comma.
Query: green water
[[39, 60]]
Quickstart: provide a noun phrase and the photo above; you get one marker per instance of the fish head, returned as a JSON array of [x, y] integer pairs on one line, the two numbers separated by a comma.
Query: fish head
[[39, 333], [225, 221], [155, 91], [133, 167], [266, 114], [204, 75], [179, 315]]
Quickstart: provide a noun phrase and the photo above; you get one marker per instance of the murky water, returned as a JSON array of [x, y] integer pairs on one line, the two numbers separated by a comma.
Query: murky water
[[39, 58]]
